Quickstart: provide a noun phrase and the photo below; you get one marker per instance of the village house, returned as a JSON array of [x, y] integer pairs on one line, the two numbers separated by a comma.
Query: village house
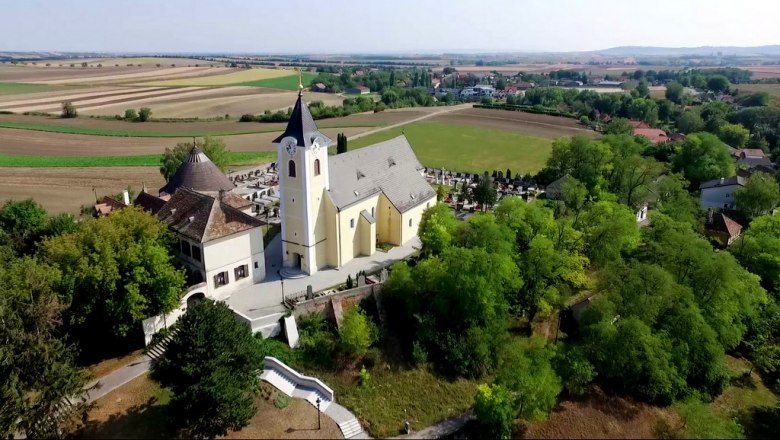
[[319, 87], [722, 229], [358, 90], [719, 193]]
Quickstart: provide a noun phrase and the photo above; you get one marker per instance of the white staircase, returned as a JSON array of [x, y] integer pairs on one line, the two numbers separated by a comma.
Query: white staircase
[[351, 428], [281, 382]]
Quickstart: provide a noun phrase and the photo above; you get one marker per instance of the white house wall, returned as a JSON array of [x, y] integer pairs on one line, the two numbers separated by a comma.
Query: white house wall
[[718, 197], [228, 253]]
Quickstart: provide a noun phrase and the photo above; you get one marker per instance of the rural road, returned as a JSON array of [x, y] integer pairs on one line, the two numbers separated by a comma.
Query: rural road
[[443, 110]]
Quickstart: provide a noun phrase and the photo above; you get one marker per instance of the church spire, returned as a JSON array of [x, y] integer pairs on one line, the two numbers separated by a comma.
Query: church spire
[[302, 126], [300, 82]]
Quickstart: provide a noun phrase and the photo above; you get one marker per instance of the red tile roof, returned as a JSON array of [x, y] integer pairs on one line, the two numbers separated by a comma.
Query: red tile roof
[[638, 124], [656, 135], [722, 224]]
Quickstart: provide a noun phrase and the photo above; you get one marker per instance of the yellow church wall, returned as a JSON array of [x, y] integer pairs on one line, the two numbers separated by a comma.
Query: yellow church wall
[[367, 232], [408, 231], [332, 229], [349, 219], [386, 220]]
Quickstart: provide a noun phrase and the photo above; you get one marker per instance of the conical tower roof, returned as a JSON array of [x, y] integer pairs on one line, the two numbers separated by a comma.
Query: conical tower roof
[[199, 173], [302, 126]]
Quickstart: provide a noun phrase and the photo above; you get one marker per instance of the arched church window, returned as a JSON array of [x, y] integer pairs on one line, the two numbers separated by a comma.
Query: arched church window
[[291, 168], [316, 167]]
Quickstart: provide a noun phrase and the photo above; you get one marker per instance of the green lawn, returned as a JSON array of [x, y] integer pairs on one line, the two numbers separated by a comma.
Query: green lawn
[[470, 149], [147, 160], [426, 397], [13, 88], [284, 83], [241, 128]]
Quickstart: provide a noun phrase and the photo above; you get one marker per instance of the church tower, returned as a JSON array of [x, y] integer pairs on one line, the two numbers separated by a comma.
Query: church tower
[[303, 179]]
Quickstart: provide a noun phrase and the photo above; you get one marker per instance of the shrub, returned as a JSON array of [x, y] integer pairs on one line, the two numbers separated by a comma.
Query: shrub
[[365, 377], [247, 118], [357, 332], [419, 355], [282, 401], [131, 114], [144, 114], [69, 110]]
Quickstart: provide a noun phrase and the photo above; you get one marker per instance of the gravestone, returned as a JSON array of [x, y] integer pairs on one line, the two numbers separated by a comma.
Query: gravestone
[[309, 292], [383, 275], [361, 281]]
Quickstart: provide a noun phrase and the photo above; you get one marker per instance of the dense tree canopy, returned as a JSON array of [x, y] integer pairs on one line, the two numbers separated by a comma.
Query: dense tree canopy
[[36, 364], [211, 366], [759, 195], [116, 271], [702, 157]]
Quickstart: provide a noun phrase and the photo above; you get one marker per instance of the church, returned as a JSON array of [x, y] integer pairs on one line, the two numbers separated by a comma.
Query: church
[[338, 207]]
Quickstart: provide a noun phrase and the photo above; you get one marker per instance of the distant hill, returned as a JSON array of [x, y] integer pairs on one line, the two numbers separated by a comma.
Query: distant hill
[[700, 51]]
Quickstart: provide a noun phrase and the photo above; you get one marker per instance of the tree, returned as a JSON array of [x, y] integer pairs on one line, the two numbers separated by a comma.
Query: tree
[[718, 83], [437, 227], [485, 193], [608, 229], [674, 92], [734, 135], [441, 192], [131, 115], [22, 221], [494, 410], [69, 110], [642, 89], [572, 365], [675, 201], [357, 332], [116, 271], [619, 126], [210, 365], [212, 147], [525, 370], [508, 174], [759, 249], [144, 114], [584, 159], [702, 157], [690, 121], [36, 364], [759, 195], [341, 143]]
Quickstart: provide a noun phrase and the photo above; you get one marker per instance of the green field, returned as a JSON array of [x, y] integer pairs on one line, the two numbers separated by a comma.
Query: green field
[[14, 88], [470, 149], [146, 160], [284, 83], [151, 133]]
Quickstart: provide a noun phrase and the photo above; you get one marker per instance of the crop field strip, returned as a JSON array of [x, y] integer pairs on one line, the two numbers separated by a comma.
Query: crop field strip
[[233, 78], [144, 75], [283, 83], [50, 128], [16, 88], [93, 102], [74, 98], [145, 160]]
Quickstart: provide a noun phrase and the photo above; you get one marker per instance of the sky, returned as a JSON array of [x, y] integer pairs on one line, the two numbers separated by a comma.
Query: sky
[[372, 26]]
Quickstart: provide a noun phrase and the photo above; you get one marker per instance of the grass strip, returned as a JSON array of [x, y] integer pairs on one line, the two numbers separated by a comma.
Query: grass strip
[[145, 160], [90, 131]]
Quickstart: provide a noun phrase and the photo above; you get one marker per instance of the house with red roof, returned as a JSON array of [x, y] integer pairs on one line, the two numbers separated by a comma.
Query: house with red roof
[[722, 229], [656, 135]]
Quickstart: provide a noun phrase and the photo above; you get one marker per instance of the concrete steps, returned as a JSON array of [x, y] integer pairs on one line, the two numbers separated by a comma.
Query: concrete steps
[[351, 428], [279, 381]]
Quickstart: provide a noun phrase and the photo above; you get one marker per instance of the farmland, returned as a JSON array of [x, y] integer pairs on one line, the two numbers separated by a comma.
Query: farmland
[[284, 82], [16, 88], [233, 78], [470, 149], [146, 160]]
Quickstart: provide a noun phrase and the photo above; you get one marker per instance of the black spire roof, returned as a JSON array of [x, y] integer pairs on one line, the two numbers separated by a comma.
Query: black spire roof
[[198, 172], [302, 126]]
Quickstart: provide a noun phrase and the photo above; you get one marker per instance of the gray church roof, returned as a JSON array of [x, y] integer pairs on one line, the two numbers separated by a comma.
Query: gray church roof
[[389, 167], [302, 126], [198, 172]]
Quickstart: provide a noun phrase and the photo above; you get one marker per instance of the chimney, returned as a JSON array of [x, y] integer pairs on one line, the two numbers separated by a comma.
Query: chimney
[[722, 180], [126, 197]]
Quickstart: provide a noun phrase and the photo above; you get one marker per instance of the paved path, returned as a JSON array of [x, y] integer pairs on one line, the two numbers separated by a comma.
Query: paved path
[[104, 385], [443, 110], [265, 297], [441, 429]]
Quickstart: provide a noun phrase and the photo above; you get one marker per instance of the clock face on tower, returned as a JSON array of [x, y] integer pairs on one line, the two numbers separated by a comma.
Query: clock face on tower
[[291, 145]]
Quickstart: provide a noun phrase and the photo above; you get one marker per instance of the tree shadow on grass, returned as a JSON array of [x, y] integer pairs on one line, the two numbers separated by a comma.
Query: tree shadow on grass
[[148, 420]]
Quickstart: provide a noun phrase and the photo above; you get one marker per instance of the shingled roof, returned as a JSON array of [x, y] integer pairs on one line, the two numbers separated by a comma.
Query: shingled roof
[[203, 217], [198, 172], [389, 167], [302, 126], [149, 202], [719, 223]]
